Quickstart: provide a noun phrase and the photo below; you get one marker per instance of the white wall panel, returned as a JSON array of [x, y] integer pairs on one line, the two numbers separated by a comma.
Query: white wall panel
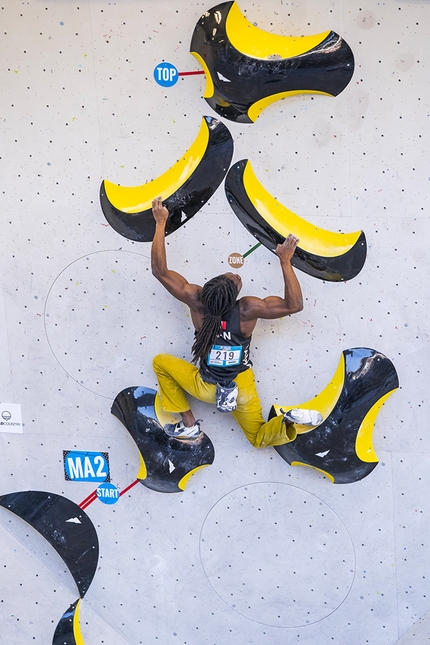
[[81, 318]]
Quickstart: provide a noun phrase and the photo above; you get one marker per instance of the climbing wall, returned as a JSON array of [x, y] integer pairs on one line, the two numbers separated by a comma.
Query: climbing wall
[[253, 550]]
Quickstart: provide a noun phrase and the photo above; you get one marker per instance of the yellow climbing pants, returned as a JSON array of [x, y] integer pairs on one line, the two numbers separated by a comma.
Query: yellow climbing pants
[[176, 376]]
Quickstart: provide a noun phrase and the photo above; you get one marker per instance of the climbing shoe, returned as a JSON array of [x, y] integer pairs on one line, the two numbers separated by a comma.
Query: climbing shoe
[[303, 417], [180, 431]]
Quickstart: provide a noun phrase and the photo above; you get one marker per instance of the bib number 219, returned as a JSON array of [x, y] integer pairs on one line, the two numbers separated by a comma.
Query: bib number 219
[[225, 355]]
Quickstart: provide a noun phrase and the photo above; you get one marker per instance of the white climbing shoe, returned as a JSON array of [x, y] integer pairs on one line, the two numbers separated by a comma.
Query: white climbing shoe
[[180, 431], [303, 417]]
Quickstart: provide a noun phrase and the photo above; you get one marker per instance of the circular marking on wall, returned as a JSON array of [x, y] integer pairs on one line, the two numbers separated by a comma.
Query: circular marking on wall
[[166, 74], [236, 260], [104, 322], [277, 554], [108, 493]]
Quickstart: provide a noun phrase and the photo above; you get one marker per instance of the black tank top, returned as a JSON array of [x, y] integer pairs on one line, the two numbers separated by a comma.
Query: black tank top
[[229, 354]]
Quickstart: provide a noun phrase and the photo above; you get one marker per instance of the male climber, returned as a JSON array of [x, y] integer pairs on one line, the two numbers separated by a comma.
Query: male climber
[[223, 328]]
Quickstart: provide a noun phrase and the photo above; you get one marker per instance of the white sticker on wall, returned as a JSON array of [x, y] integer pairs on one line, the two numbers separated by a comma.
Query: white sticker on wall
[[10, 417]]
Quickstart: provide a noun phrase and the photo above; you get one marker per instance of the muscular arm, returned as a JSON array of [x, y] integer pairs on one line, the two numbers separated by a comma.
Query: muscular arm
[[174, 282], [275, 306]]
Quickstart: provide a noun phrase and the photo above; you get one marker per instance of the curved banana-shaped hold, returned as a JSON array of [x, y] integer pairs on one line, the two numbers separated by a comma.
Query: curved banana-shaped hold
[[68, 631], [341, 446], [247, 68], [185, 188], [166, 463], [322, 254], [66, 527]]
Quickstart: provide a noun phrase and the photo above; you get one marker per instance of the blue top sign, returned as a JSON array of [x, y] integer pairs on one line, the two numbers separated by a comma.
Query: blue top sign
[[86, 466], [166, 74]]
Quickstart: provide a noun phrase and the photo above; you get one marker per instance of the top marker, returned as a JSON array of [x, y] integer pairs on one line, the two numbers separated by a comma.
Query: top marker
[[166, 74]]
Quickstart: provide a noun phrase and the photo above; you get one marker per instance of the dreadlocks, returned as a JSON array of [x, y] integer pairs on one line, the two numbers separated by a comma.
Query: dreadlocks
[[218, 296]]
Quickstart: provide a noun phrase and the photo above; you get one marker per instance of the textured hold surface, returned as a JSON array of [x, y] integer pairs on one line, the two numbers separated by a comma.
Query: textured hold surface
[[322, 254], [204, 171], [64, 525], [68, 631], [168, 461], [238, 81], [366, 377]]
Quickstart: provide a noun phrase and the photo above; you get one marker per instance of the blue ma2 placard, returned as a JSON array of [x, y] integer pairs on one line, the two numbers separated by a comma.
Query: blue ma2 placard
[[86, 466]]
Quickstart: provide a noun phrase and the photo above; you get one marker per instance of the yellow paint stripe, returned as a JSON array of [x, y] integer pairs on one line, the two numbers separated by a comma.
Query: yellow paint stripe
[[256, 109], [364, 441], [312, 238], [77, 625], [299, 463], [142, 472], [325, 401], [185, 479], [255, 42], [209, 89], [134, 199]]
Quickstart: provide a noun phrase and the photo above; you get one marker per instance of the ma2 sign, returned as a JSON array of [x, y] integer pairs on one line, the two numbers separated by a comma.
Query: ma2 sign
[[86, 466]]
